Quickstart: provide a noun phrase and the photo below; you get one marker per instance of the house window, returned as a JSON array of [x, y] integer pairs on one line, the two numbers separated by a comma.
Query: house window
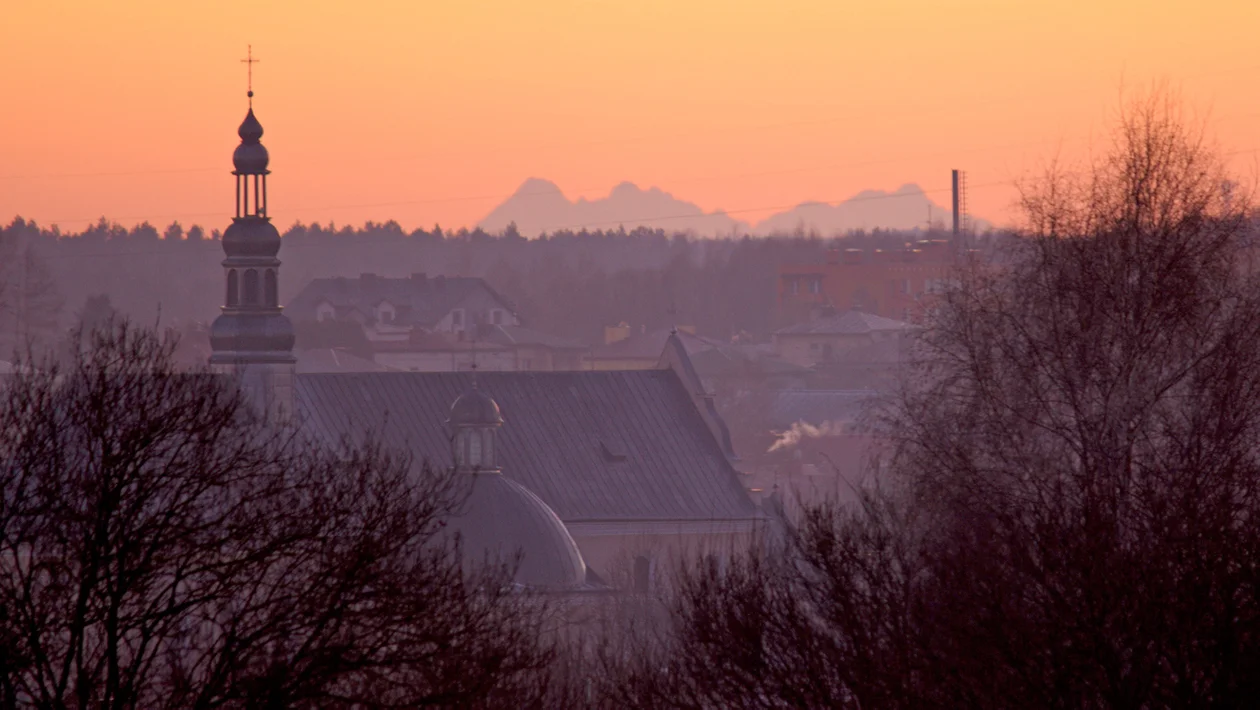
[[815, 286], [796, 286], [905, 286], [232, 288], [457, 318], [271, 288], [324, 312]]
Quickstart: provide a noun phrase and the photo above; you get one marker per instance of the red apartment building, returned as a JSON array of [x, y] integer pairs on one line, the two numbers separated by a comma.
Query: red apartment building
[[888, 283]]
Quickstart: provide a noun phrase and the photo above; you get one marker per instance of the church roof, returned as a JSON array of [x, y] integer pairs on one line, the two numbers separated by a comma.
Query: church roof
[[417, 300], [595, 446]]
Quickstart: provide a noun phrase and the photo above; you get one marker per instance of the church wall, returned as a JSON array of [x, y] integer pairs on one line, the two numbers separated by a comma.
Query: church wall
[[613, 557]]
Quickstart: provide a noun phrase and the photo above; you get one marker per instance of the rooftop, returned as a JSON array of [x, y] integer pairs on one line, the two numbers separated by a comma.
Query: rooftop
[[595, 446], [417, 299], [846, 323]]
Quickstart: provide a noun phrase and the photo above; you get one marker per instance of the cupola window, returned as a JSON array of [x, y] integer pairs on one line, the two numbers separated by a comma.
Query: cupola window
[[251, 287], [474, 450]]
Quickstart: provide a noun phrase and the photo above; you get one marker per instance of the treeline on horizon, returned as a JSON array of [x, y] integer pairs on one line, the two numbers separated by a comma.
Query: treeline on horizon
[[567, 283]]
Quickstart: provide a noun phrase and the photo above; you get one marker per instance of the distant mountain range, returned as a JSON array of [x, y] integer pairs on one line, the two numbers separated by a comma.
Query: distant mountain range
[[540, 206]]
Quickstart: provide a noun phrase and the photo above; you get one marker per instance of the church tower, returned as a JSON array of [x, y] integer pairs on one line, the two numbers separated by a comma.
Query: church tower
[[475, 420], [251, 338]]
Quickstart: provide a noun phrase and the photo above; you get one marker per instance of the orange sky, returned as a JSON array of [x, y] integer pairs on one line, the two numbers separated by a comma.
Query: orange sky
[[427, 111]]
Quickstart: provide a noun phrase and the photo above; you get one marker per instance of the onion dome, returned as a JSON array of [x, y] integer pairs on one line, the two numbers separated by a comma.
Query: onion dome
[[500, 518], [251, 237], [250, 157], [475, 408], [251, 131]]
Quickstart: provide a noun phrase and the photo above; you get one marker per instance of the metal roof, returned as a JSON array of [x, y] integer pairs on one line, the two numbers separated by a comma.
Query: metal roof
[[595, 446]]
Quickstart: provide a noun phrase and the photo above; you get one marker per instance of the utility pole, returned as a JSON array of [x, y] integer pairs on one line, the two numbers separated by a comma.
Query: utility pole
[[954, 181]]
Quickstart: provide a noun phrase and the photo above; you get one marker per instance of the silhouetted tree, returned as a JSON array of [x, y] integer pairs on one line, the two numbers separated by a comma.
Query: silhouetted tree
[[161, 545], [1069, 520]]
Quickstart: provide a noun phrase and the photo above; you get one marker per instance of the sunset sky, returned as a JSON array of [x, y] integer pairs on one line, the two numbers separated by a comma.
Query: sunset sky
[[426, 111]]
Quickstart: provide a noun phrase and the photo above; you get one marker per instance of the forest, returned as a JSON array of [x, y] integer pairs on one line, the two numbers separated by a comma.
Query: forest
[[567, 283]]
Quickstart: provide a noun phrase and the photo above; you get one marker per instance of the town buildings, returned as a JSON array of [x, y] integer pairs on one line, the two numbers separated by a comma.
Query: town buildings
[[425, 324], [598, 477]]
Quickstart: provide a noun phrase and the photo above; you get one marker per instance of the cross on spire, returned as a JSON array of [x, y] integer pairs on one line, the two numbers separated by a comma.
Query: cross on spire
[[249, 63]]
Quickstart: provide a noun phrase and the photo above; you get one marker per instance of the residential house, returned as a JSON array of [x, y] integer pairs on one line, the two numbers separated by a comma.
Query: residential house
[[830, 336]]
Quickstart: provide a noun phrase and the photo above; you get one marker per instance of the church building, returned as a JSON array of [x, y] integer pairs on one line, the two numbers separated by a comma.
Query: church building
[[590, 475]]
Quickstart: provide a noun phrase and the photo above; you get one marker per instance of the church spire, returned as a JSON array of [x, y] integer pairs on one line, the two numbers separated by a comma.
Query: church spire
[[251, 331]]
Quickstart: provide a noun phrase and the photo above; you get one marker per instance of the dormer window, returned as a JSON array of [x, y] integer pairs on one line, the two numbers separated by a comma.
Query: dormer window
[[457, 319], [325, 312], [385, 312]]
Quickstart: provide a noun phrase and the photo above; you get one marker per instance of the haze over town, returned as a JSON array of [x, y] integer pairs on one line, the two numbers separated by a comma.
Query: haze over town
[[661, 354]]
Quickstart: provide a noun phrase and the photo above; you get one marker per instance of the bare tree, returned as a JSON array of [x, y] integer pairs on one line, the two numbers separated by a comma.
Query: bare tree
[[1070, 516], [1085, 428], [163, 546]]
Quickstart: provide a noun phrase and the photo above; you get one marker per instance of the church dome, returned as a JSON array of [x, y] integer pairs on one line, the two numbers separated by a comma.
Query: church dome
[[475, 408], [500, 518], [250, 159], [251, 236]]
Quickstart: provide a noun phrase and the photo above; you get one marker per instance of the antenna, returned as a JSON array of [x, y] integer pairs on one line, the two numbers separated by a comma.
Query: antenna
[[249, 63]]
